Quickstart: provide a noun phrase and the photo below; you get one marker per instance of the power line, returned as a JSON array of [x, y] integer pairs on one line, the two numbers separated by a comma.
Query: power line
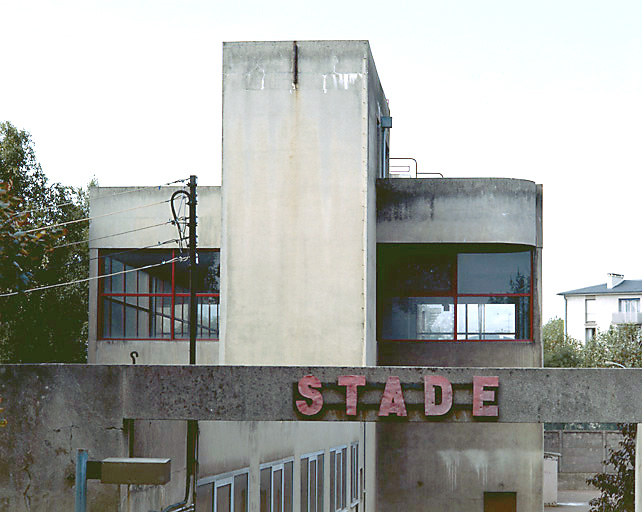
[[57, 285], [112, 254], [69, 203], [69, 244], [84, 219]]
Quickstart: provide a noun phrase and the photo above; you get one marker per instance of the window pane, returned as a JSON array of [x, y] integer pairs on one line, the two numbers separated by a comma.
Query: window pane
[[277, 490], [240, 493], [333, 481], [494, 272], [224, 498], [320, 478], [313, 486], [204, 497], [410, 271], [418, 318], [305, 484], [344, 476], [265, 489], [493, 318], [287, 486], [207, 273], [116, 318], [117, 282]]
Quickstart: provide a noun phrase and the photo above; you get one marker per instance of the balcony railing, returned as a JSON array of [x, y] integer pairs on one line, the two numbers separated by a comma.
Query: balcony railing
[[629, 317]]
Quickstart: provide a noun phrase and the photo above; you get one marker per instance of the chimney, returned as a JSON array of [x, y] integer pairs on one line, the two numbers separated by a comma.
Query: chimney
[[614, 280]]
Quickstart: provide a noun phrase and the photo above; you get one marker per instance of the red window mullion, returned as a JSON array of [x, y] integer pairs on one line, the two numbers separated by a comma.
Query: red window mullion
[[530, 287], [455, 298], [171, 316]]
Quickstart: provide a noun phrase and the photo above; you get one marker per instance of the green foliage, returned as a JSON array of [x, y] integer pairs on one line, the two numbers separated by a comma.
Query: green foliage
[[560, 351], [49, 325], [618, 489]]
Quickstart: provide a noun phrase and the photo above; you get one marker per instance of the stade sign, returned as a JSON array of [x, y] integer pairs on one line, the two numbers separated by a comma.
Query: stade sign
[[437, 396]]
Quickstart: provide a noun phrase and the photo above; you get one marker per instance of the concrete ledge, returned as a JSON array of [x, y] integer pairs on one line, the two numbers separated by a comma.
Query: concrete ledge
[[237, 393]]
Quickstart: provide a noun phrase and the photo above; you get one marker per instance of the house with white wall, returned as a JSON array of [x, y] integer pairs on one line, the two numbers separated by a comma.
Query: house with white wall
[[594, 308]]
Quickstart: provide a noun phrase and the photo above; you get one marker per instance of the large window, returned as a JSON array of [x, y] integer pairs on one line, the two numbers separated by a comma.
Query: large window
[[312, 482], [145, 295], [629, 305], [454, 293], [589, 310]]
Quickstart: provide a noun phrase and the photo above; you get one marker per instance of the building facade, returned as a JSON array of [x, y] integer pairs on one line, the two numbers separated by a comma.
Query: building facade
[[310, 255], [594, 308]]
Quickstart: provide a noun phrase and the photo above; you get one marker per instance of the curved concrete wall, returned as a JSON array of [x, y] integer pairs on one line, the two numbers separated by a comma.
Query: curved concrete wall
[[459, 210]]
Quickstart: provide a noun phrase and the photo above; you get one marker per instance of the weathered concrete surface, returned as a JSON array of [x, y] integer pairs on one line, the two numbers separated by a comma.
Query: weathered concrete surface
[[51, 411], [456, 210], [447, 474], [241, 393], [299, 164]]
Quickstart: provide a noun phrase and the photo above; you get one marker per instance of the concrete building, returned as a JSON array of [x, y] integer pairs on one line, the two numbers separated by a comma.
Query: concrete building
[[596, 307], [310, 255]]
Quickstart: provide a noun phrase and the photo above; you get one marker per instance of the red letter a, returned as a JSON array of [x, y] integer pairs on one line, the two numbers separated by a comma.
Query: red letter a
[[392, 401]]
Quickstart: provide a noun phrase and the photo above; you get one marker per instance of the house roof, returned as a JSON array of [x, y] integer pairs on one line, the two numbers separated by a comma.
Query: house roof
[[626, 286]]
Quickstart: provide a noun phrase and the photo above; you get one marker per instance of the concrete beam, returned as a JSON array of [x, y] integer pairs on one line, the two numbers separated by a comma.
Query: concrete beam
[[251, 393]]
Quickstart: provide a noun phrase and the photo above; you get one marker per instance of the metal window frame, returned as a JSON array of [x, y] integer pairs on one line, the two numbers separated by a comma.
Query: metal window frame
[[172, 294], [354, 474], [338, 481], [223, 479], [275, 466], [454, 295], [313, 456]]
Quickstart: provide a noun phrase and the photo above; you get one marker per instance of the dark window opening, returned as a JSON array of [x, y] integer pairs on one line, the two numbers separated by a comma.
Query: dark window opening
[[454, 292], [500, 502], [145, 295]]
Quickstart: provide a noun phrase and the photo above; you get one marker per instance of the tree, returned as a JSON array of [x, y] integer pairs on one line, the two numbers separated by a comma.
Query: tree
[[47, 325], [618, 489], [560, 351]]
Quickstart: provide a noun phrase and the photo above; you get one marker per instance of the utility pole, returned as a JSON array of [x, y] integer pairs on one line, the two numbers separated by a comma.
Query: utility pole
[[192, 425], [192, 270]]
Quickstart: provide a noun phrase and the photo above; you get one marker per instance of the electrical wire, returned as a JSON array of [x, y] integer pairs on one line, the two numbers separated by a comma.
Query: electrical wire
[[57, 285], [69, 203], [113, 235], [84, 219], [112, 254]]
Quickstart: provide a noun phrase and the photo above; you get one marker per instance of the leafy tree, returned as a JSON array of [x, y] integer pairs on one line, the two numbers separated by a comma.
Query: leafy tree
[[618, 489], [47, 325], [560, 351]]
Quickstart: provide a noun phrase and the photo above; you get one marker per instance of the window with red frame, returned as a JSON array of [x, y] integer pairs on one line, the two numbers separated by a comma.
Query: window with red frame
[[153, 302], [454, 292]]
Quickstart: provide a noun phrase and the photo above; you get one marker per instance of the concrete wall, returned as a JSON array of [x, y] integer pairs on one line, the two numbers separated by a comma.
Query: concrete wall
[[437, 467], [582, 454], [458, 210], [296, 148]]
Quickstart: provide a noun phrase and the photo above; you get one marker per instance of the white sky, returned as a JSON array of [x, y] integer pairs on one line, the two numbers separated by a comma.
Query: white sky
[[129, 91]]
